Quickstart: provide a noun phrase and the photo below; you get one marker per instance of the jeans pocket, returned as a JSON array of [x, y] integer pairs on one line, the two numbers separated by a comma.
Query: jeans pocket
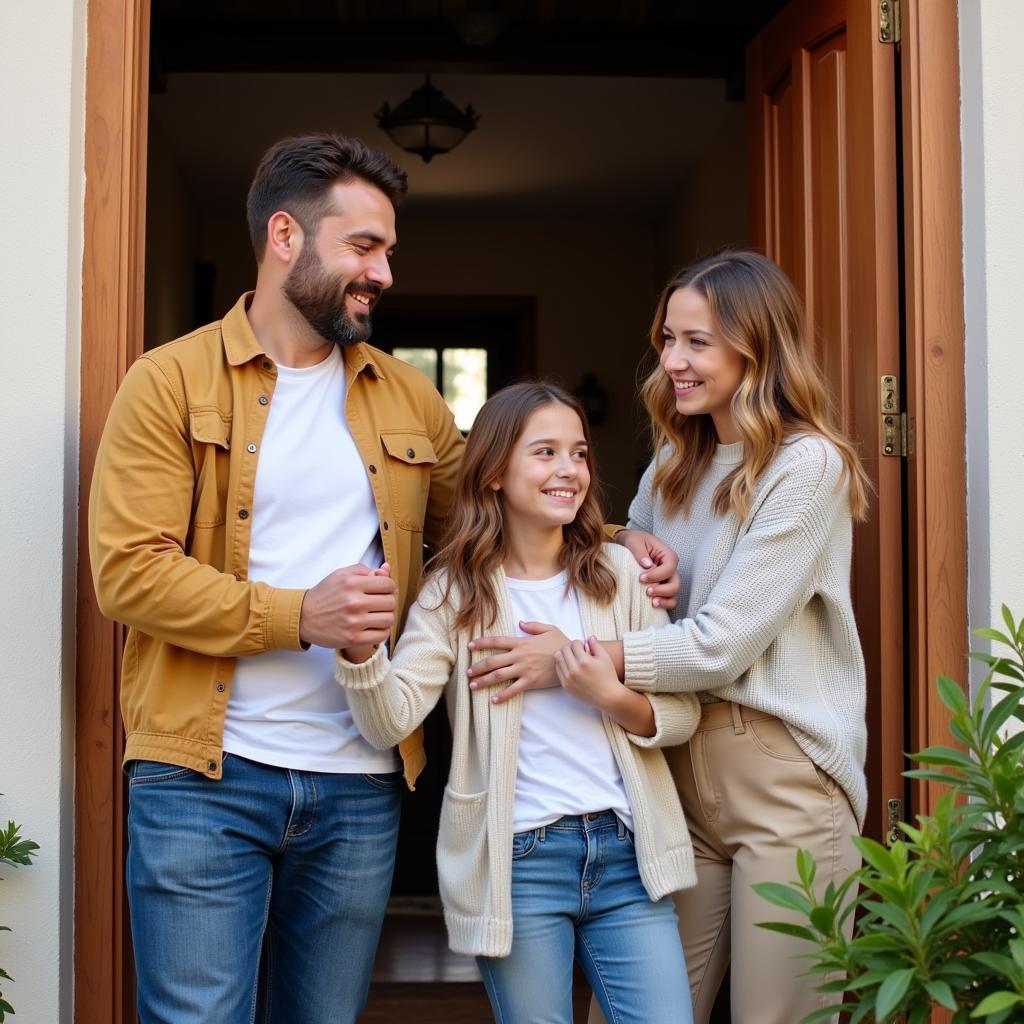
[[385, 780], [524, 843], [145, 772]]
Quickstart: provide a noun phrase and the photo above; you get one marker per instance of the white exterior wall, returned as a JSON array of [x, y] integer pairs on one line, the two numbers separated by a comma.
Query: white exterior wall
[[42, 72], [992, 135]]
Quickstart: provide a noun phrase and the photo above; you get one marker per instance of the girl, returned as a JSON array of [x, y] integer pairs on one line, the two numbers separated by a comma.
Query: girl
[[754, 489], [561, 832]]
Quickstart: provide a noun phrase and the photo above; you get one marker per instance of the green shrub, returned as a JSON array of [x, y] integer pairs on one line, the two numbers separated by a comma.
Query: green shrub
[[13, 851], [939, 915]]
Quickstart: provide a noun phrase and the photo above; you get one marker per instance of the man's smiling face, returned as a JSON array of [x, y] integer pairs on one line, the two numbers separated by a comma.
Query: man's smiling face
[[344, 267]]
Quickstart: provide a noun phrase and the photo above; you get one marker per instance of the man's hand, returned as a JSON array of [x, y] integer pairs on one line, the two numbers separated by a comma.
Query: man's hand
[[527, 662], [658, 562], [352, 607]]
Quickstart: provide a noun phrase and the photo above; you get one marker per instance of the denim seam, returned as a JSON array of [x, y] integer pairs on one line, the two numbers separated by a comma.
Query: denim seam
[[270, 952], [616, 1016]]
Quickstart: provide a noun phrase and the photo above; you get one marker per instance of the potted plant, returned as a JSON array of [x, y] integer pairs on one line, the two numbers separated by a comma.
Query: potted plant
[[13, 851], [938, 916]]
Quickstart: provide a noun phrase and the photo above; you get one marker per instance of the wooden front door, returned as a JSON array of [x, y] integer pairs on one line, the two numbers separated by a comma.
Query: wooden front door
[[823, 187]]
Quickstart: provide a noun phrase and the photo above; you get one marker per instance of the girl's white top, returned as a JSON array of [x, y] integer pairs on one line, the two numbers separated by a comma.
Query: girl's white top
[[474, 843]]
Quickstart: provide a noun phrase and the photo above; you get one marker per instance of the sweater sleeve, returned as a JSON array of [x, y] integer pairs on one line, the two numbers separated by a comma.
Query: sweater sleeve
[[390, 698], [769, 576], [676, 715]]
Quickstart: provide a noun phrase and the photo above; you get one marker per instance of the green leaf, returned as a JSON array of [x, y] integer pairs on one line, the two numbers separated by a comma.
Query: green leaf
[[995, 1003], [876, 855], [783, 896], [993, 634], [805, 868], [997, 717], [784, 928], [941, 993], [891, 991], [823, 918], [951, 694], [1008, 620]]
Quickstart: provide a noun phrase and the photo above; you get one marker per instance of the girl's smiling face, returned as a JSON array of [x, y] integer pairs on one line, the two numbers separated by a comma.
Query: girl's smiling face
[[704, 368], [547, 475]]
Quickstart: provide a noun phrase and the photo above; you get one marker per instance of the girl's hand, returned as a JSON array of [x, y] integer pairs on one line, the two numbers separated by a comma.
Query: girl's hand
[[587, 673], [658, 562], [358, 653], [527, 662]]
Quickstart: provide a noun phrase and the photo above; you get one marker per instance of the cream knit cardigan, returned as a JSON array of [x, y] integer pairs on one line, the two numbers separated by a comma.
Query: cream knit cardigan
[[770, 622], [474, 843]]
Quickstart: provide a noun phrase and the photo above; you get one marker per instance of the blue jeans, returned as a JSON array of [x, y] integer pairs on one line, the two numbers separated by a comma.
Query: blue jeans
[[269, 880], [576, 890]]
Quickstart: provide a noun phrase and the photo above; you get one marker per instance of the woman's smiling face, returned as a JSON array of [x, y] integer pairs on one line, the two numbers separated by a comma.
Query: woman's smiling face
[[704, 368]]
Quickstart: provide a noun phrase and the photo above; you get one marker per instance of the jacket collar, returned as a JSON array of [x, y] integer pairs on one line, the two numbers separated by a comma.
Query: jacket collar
[[241, 345]]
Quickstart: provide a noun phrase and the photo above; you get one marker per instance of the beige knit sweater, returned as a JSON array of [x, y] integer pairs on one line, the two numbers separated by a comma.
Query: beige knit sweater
[[474, 843], [769, 621]]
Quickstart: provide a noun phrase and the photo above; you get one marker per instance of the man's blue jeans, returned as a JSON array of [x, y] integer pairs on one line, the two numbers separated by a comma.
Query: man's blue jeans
[[268, 880], [576, 890]]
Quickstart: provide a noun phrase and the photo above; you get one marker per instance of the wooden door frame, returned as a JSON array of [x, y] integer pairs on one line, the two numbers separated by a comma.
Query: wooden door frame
[[116, 101], [112, 304]]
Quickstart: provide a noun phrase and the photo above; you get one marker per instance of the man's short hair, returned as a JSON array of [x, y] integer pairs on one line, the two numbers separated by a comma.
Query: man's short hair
[[296, 175]]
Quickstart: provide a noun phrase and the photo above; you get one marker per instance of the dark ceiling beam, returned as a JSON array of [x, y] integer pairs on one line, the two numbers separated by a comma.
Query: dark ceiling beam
[[249, 45]]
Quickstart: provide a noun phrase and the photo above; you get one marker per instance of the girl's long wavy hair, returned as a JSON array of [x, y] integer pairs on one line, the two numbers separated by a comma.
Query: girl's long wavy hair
[[756, 310], [475, 543]]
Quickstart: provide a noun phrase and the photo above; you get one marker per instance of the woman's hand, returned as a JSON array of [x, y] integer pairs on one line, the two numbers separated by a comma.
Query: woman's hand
[[586, 671], [358, 653], [659, 563], [525, 662]]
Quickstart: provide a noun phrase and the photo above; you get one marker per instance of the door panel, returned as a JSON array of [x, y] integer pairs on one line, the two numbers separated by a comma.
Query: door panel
[[821, 102]]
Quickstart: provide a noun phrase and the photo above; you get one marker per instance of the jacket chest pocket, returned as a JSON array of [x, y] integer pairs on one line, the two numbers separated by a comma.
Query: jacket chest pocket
[[409, 460], [211, 453]]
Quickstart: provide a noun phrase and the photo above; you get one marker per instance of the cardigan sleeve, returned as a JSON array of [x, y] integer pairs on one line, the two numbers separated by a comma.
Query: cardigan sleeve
[[390, 697], [769, 576]]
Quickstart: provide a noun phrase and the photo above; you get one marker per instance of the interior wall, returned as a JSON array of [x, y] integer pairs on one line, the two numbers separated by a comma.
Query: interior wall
[[172, 243], [709, 210], [42, 104], [992, 137]]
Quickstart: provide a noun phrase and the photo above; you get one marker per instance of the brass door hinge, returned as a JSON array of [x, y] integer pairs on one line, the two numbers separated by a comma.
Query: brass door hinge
[[889, 28], [895, 440], [894, 815]]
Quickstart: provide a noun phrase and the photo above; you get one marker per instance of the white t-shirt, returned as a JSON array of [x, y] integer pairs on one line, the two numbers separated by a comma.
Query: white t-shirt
[[566, 764], [313, 512]]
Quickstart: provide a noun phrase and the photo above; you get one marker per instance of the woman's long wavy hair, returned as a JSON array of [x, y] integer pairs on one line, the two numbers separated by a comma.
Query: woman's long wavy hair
[[756, 310], [475, 543]]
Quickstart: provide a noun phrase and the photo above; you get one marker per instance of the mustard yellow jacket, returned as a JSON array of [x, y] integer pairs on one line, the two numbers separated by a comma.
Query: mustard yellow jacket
[[170, 523]]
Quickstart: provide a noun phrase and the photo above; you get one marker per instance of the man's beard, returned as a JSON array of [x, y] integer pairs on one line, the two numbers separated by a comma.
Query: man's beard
[[314, 293]]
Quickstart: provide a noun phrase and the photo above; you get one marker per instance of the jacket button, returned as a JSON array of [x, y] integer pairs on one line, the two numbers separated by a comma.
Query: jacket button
[[263, 400], [212, 766], [410, 453], [243, 513], [220, 687], [385, 524], [266, 364], [250, 448], [373, 469]]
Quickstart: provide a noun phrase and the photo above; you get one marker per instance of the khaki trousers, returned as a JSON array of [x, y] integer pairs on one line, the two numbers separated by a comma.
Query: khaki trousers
[[753, 798]]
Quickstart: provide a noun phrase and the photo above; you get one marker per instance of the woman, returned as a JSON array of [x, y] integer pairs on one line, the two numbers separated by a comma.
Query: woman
[[561, 833], [755, 489]]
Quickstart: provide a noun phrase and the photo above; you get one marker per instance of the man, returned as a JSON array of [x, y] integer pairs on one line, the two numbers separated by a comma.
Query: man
[[253, 479]]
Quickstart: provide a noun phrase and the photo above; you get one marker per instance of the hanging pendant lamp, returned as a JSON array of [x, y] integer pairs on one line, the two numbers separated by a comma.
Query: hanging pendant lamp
[[427, 123]]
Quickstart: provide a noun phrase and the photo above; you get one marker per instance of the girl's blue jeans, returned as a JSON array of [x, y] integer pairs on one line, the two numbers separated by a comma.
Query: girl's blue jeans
[[259, 896], [576, 892]]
